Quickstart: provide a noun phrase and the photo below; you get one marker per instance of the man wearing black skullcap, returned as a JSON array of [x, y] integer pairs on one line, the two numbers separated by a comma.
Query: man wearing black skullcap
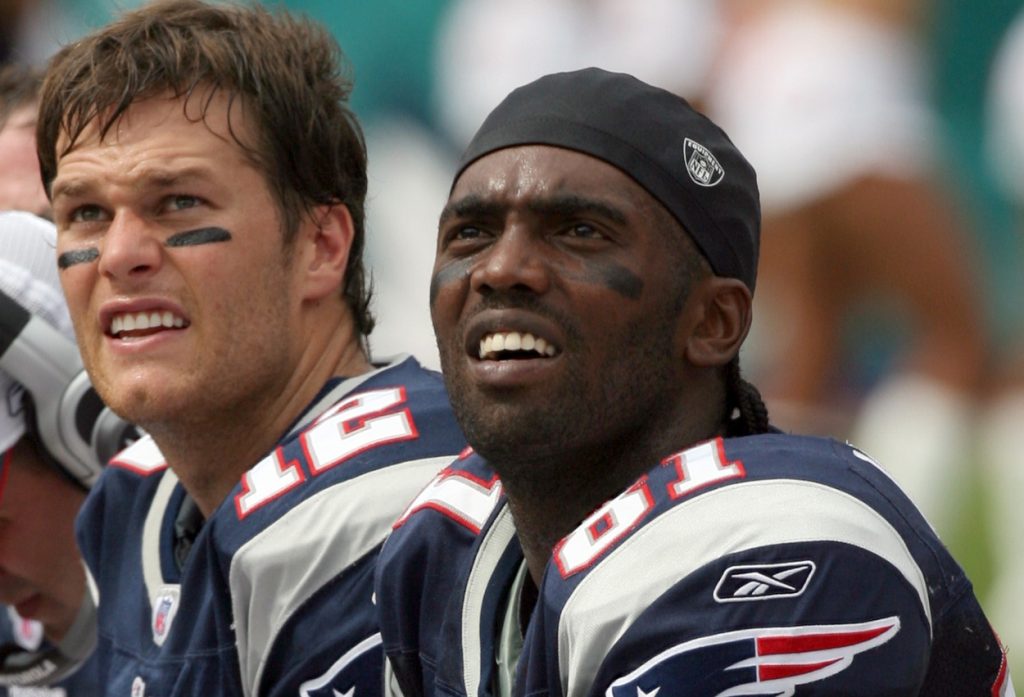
[[627, 520]]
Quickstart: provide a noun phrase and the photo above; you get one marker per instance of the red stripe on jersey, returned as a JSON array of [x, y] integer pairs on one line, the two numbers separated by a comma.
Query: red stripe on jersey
[[1002, 679], [816, 642], [789, 670]]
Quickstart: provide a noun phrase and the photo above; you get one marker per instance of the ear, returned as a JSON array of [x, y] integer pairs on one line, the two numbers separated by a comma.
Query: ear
[[725, 316], [330, 231]]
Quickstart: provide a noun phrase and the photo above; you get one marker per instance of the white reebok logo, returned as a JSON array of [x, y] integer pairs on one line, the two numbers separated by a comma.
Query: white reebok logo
[[764, 581]]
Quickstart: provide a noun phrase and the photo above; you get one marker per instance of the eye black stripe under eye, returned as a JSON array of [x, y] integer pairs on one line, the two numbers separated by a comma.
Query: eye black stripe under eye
[[205, 235], [77, 256]]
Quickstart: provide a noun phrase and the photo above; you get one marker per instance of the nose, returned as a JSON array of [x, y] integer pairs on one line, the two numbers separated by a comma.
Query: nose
[[516, 260], [129, 250]]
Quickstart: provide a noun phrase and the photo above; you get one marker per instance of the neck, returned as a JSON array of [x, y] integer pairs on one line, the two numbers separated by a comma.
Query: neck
[[546, 511], [550, 497], [551, 494], [211, 449]]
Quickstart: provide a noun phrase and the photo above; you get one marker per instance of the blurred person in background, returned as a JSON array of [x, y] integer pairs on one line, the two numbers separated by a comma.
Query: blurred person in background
[[21, 187], [14, 18], [47, 627], [42, 581], [477, 65], [1001, 433], [829, 100], [31, 30]]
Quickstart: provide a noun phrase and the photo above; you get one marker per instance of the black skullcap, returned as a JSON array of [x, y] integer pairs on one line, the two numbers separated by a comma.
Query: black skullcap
[[677, 154]]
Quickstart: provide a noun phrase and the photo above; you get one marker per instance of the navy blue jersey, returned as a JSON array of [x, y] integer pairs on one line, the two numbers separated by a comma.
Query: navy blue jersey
[[275, 595], [765, 565], [22, 642]]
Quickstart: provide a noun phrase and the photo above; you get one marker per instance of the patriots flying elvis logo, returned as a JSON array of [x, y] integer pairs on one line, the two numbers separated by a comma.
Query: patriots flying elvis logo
[[766, 661]]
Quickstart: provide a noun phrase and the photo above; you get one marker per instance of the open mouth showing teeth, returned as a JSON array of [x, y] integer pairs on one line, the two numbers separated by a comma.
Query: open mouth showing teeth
[[144, 323], [501, 346]]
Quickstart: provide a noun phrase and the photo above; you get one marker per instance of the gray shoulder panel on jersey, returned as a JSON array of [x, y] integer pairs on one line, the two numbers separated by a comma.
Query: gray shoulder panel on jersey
[[731, 519], [492, 547], [276, 571]]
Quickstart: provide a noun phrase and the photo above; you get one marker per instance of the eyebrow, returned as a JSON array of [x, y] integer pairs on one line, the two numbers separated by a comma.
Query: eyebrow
[[571, 204], [154, 177], [471, 206], [561, 205], [72, 188], [165, 178]]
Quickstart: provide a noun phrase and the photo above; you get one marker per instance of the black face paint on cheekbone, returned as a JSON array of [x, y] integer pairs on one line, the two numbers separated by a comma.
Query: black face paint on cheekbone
[[611, 275], [189, 238], [617, 278], [450, 272], [77, 256], [203, 235]]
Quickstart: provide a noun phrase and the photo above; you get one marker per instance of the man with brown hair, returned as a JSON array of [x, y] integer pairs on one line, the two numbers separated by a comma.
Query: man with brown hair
[[208, 183]]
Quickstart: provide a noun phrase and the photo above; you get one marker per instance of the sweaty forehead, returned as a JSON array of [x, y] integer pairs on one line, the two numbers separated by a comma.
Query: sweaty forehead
[[531, 171], [551, 179]]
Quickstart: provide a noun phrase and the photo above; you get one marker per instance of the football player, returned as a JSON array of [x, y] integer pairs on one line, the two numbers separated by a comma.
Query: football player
[[208, 181], [47, 624], [627, 522]]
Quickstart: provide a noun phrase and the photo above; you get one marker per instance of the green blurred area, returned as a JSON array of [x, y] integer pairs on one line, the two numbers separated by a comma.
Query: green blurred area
[[969, 541], [390, 44], [964, 38]]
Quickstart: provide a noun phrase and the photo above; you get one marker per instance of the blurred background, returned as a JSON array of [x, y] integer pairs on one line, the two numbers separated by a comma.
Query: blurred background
[[888, 136]]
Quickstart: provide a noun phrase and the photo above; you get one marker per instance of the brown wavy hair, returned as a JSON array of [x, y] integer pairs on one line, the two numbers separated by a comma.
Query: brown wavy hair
[[286, 71]]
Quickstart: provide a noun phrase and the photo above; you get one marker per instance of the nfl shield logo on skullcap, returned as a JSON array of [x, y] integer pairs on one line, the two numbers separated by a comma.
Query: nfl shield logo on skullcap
[[701, 165]]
